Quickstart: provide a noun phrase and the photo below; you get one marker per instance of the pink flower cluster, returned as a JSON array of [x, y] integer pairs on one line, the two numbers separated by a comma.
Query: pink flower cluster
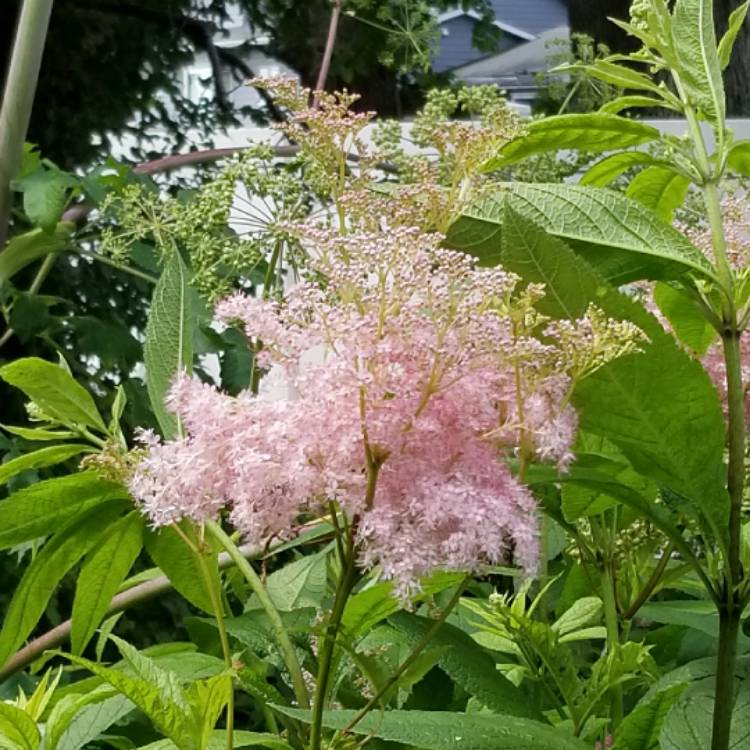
[[405, 372]]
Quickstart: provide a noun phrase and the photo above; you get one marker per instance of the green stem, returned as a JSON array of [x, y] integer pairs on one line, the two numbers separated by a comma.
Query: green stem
[[327, 647], [651, 584], [218, 608], [18, 96], [729, 623], [613, 635], [99, 258], [408, 661], [284, 642]]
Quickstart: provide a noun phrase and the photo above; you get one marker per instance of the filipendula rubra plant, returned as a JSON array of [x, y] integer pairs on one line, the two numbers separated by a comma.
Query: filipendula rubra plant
[[625, 242], [401, 380]]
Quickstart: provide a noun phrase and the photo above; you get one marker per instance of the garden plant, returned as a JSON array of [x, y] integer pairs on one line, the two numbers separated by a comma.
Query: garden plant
[[438, 452]]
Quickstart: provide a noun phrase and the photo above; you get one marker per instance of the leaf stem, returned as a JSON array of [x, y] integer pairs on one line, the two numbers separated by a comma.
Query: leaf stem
[[651, 584], [613, 634], [409, 660], [284, 641]]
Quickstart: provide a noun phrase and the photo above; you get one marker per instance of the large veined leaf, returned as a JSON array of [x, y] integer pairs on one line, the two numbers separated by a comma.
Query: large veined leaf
[[439, 730], [661, 410], [622, 239], [40, 509], [178, 563], [611, 167], [661, 189], [168, 348], [641, 727], [102, 574], [301, 583], [688, 724], [18, 731], [726, 45], [240, 738], [468, 665], [694, 42], [738, 159], [47, 569], [41, 458], [54, 390], [587, 132]]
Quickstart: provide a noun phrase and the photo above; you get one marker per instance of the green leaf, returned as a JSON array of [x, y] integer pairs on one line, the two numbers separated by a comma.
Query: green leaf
[[623, 240], [726, 45], [586, 132], [611, 167], [45, 195], [155, 691], [621, 76], [47, 569], [23, 249], [39, 510], [662, 411], [77, 720], [441, 730], [584, 612], [468, 665], [688, 723], [661, 189], [240, 738], [168, 346], [39, 434], [694, 42], [641, 727], [627, 102], [208, 699], [102, 574], [55, 454], [687, 321], [738, 159], [18, 731], [301, 583], [178, 563], [54, 390]]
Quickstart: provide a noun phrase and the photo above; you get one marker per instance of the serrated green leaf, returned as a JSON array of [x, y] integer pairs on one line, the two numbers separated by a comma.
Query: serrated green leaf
[[622, 76], [661, 410], [40, 459], [40, 509], [620, 238], [23, 249], [18, 731], [586, 132], [611, 167], [54, 390], [47, 569], [77, 720], [468, 665], [177, 562], [661, 189], [209, 699], [155, 691], [102, 573], [441, 730], [694, 42], [726, 45], [685, 317], [168, 348], [45, 195]]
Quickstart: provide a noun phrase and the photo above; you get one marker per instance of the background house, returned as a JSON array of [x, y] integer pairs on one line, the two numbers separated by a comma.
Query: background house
[[528, 28]]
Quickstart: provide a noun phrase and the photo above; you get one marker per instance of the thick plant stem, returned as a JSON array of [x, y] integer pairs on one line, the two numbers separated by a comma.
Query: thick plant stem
[[729, 607], [327, 647], [284, 642], [218, 608], [613, 636], [18, 96]]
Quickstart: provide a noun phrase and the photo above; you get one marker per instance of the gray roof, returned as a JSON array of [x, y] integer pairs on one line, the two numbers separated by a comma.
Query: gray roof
[[533, 16]]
